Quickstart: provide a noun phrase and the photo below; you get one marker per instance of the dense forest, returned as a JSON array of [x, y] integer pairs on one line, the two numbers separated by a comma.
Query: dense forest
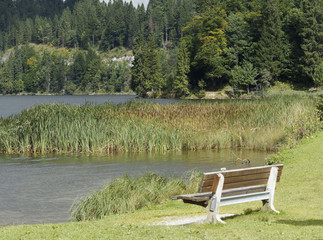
[[179, 46]]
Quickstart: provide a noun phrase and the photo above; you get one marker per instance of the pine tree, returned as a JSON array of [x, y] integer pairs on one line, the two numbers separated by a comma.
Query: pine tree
[[153, 65], [269, 50], [140, 76], [64, 31], [6, 80], [78, 69], [239, 40], [180, 84], [31, 79], [312, 35]]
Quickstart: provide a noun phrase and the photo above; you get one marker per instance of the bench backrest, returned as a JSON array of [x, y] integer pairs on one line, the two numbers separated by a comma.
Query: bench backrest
[[238, 178]]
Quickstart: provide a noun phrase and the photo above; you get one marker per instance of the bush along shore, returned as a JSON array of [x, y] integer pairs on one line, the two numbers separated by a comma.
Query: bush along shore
[[262, 124]]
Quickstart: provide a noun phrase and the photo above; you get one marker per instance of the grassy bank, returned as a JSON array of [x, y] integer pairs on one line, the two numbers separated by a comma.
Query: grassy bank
[[298, 197], [253, 124]]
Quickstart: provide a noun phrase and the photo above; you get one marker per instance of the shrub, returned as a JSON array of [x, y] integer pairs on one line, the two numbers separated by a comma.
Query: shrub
[[319, 106]]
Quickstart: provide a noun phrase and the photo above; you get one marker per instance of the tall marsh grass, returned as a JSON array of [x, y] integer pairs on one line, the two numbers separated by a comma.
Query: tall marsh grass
[[128, 194], [133, 127]]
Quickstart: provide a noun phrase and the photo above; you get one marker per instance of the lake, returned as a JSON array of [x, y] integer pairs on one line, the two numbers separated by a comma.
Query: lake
[[10, 105], [42, 188]]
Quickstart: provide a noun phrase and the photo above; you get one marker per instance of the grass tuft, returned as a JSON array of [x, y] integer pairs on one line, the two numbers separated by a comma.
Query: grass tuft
[[128, 194]]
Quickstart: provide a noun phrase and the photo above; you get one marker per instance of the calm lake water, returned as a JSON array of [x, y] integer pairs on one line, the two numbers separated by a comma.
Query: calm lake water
[[10, 105], [42, 188]]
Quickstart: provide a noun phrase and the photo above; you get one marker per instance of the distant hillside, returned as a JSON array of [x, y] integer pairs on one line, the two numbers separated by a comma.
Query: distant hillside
[[45, 69], [91, 23]]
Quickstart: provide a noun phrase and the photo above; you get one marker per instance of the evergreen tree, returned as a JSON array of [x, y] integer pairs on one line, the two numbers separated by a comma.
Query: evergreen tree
[[269, 50], [140, 74], [318, 75], [6, 80], [239, 39], [31, 80], [208, 45], [153, 65], [78, 69], [45, 72], [312, 35], [293, 27], [64, 30], [180, 84]]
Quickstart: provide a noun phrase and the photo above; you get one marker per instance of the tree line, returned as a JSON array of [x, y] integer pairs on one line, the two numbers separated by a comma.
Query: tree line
[[88, 23], [180, 46], [59, 70], [248, 45]]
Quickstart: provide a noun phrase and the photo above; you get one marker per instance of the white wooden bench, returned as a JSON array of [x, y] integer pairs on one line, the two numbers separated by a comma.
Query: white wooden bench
[[235, 186]]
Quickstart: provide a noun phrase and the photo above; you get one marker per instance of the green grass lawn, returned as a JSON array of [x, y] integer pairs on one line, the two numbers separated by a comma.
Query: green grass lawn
[[298, 198]]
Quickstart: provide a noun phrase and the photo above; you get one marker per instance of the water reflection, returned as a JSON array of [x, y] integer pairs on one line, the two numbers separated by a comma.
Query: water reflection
[[42, 188]]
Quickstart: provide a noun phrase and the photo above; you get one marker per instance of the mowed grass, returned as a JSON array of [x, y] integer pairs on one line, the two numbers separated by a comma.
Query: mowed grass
[[298, 197], [261, 124]]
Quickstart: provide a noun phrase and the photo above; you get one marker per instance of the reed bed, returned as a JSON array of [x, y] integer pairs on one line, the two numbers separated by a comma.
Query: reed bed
[[128, 194], [132, 127]]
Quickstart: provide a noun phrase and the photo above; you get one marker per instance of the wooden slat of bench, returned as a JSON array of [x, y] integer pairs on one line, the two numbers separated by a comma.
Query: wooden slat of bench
[[194, 195], [246, 171], [248, 177], [244, 177], [207, 186]]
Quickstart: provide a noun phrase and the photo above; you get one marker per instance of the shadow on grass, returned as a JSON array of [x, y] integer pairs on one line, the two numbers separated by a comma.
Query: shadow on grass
[[310, 222], [245, 212]]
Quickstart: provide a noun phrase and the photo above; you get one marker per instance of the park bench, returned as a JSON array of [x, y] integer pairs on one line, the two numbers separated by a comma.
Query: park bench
[[227, 187]]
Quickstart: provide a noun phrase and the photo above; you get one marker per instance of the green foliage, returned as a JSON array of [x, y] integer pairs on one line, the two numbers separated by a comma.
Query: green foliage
[[281, 86], [180, 84], [264, 80], [311, 33], [319, 107], [84, 24], [318, 75], [269, 52], [280, 38], [139, 71], [208, 43], [244, 76], [238, 36], [146, 70], [38, 69], [128, 194]]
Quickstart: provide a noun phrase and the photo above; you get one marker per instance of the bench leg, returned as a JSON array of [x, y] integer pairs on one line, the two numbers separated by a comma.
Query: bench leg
[[271, 185], [213, 217], [268, 205], [213, 207]]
